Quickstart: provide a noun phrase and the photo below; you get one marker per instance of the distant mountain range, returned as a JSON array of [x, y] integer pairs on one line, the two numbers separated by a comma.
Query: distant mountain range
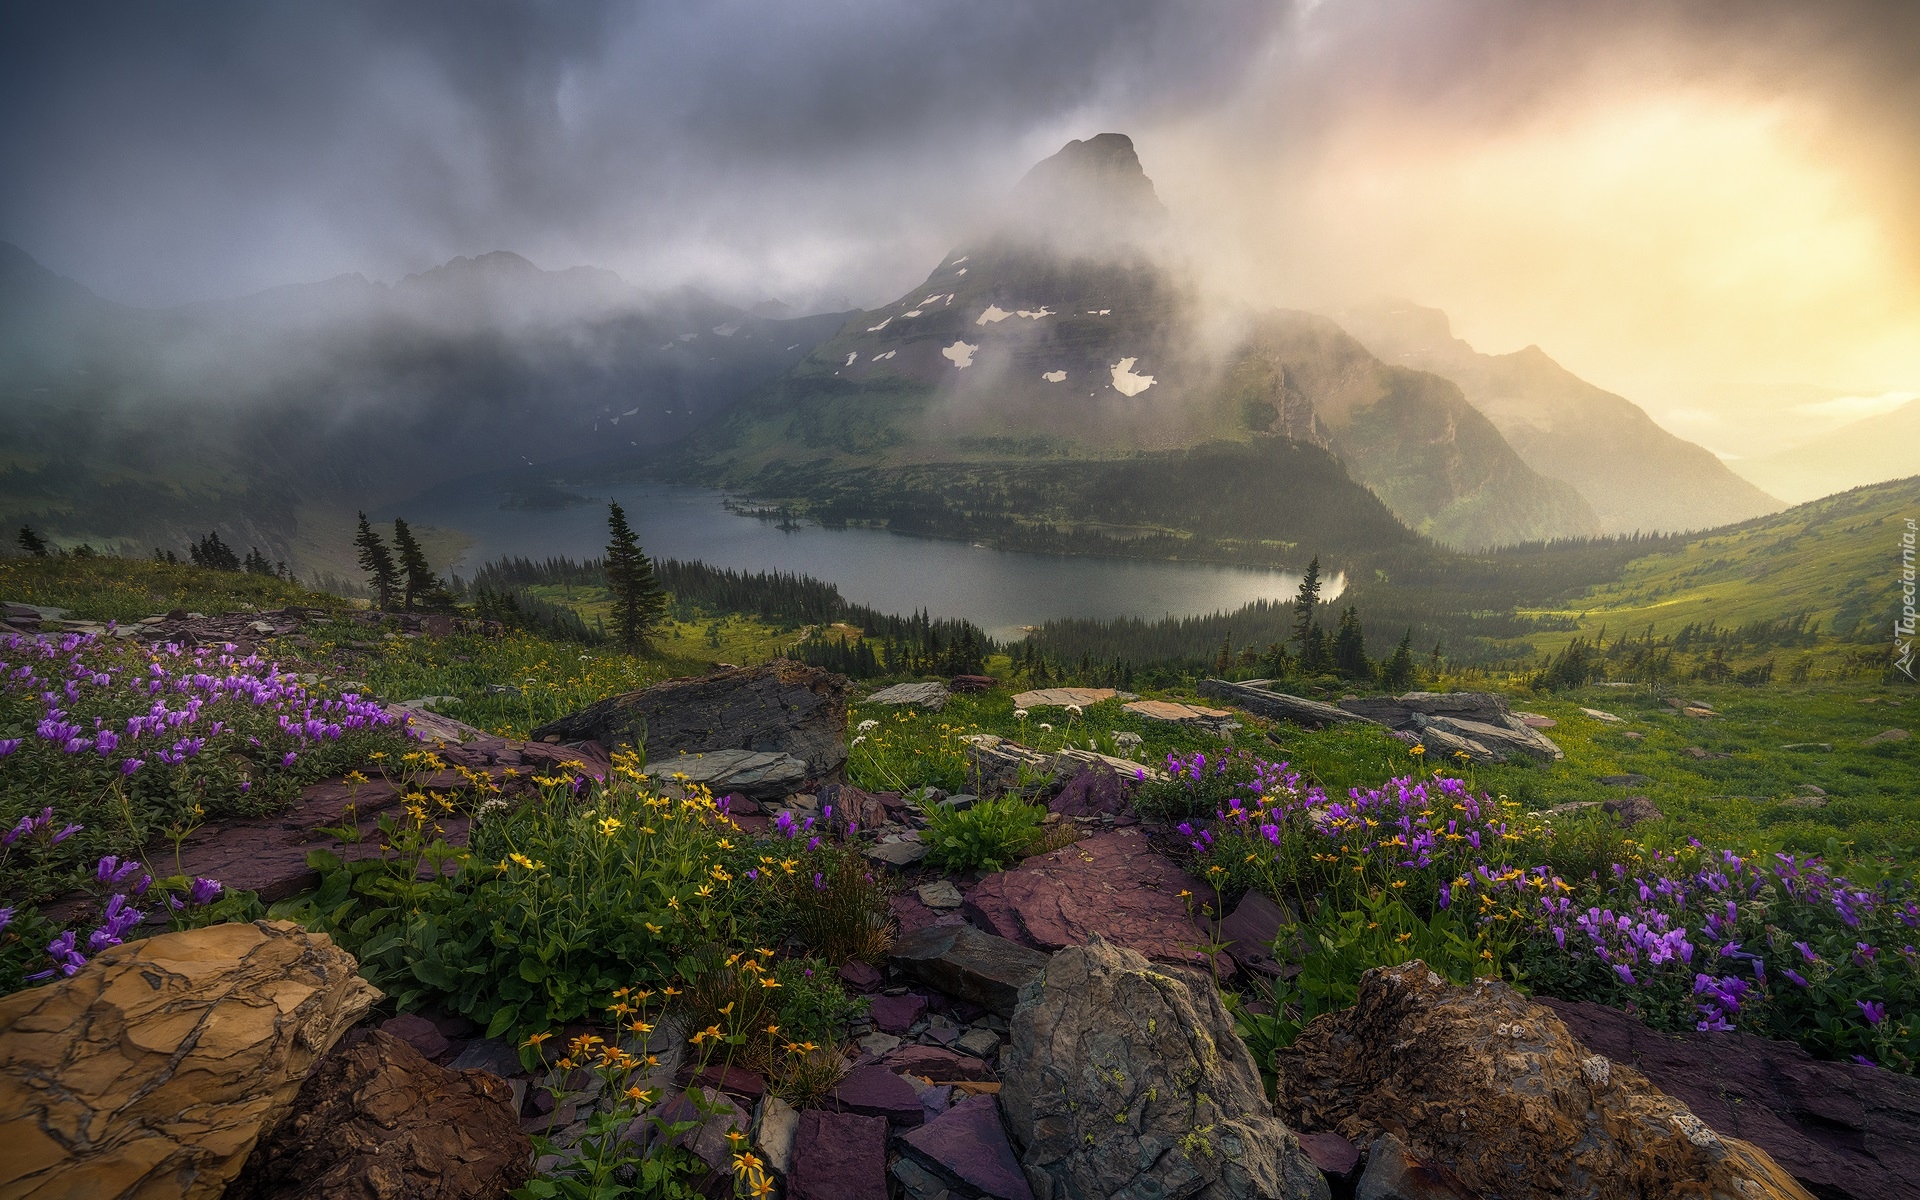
[[1635, 475], [1866, 451], [271, 415], [1055, 383]]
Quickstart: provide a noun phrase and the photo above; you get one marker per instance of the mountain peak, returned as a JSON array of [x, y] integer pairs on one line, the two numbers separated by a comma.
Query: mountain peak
[[1092, 189]]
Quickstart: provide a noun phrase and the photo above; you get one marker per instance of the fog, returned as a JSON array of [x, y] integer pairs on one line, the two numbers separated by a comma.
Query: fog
[[1689, 203]]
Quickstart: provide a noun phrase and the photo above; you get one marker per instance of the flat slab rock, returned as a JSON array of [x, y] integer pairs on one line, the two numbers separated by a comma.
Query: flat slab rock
[[969, 965], [1170, 710], [968, 1144], [1845, 1131], [838, 1156], [932, 696], [1062, 696], [756, 774], [1112, 884]]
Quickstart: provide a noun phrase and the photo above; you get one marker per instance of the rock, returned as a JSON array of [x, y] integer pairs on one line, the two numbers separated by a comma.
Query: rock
[[875, 1091], [896, 1014], [1493, 1088], [877, 1044], [966, 963], [1336, 1157], [1598, 715], [1091, 792], [1890, 735], [850, 804], [968, 1145], [960, 801], [1394, 1174], [758, 774], [1446, 744], [734, 1081], [902, 853], [917, 1182], [1702, 753], [930, 696], [981, 1043], [156, 1066], [940, 894], [860, 976], [1500, 738], [1277, 705], [1632, 810], [839, 1156], [488, 1054], [708, 1138], [1252, 930], [1625, 780], [937, 1064], [1061, 697], [779, 707], [1826, 747], [1176, 713], [1537, 720], [972, 683], [377, 1120], [779, 1121], [996, 765], [432, 727], [1125, 1080], [1069, 762], [1113, 884], [1845, 1131], [418, 1032]]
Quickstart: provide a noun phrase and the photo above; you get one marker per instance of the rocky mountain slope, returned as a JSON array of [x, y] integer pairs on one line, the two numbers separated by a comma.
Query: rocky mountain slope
[[1063, 330], [1636, 476], [142, 425]]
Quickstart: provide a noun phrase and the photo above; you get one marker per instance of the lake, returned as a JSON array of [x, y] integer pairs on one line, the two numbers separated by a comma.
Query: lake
[[1000, 590]]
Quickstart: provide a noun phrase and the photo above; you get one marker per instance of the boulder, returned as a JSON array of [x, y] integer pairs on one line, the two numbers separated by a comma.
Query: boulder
[[1337, 1158], [1632, 810], [996, 765], [377, 1121], [930, 696], [1480, 1082], [757, 774], [779, 707], [156, 1067], [838, 1156], [1277, 705], [1252, 930], [1097, 791], [968, 964], [874, 1091], [1061, 697], [1845, 1131], [1126, 1080], [1886, 735], [1394, 1174], [968, 1146], [1517, 738], [1113, 884]]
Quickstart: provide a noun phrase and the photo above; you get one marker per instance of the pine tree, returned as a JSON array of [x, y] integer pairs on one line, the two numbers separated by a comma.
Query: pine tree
[[416, 576], [1316, 658], [377, 561], [1350, 647], [1304, 603], [1396, 674], [213, 554], [638, 601], [32, 542]]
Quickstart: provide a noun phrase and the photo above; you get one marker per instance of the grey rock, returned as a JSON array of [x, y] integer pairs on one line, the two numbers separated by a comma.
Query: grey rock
[[774, 1137], [981, 1043], [941, 893], [1125, 1080], [917, 1181], [756, 774], [902, 853], [878, 1044], [960, 801], [778, 707], [1277, 705], [969, 965], [1889, 735], [1500, 739], [488, 1054], [1824, 747], [931, 696]]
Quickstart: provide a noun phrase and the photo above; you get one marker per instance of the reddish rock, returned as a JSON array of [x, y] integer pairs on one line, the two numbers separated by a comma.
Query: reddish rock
[[1632, 810], [896, 1014], [874, 1091], [838, 1156], [417, 1032], [968, 1143], [1395, 1174], [376, 1120], [1845, 1131], [938, 1065], [911, 914], [1112, 884], [860, 976], [971, 683], [1334, 1155], [1091, 792], [850, 804], [1252, 930], [735, 1081]]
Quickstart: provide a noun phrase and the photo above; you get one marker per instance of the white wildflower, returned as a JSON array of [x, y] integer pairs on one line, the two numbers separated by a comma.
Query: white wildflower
[[867, 724]]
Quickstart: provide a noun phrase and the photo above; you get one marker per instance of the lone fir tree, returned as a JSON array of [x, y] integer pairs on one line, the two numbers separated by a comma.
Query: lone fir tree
[[1396, 674], [1303, 604], [638, 601], [1350, 647], [377, 561], [416, 576], [33, 543]]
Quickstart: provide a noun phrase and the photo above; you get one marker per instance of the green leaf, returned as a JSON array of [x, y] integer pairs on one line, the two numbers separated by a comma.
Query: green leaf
[[503, 1020]]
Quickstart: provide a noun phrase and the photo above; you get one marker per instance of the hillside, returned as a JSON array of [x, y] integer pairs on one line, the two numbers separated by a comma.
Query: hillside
[[1866, 451], [1060, 332], [1636, 476], [278, 413], [1836, 560]]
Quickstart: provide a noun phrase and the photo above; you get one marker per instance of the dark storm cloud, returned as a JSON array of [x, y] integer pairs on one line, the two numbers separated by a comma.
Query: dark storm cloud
[[166, 151]]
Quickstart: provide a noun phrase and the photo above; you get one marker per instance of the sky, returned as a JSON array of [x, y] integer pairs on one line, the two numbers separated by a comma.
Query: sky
[[1713, 208]]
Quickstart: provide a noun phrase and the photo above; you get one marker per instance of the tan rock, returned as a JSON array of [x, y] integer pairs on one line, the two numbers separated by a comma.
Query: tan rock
[[151, 1072], [1493, 1088]]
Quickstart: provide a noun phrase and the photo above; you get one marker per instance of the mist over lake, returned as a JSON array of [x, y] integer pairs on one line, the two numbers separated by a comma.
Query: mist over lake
[[998, 589]]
